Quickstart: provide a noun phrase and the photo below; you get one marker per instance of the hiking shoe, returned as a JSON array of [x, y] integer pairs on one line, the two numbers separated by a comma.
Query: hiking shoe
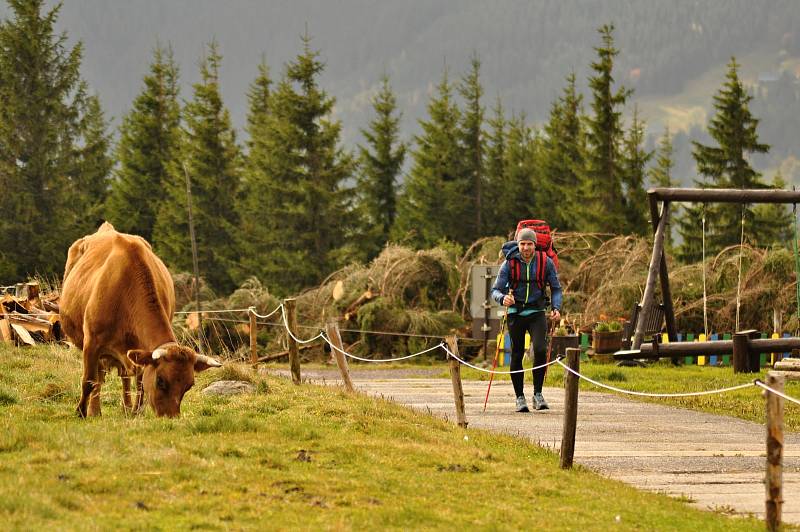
[[522, 404], [539, 403]]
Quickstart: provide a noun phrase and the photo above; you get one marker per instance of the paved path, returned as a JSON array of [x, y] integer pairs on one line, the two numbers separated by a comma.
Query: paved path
[[716, 461]]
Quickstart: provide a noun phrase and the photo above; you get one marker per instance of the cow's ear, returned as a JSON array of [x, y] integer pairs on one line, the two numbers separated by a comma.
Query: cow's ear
[[202, 363], [141, 357]]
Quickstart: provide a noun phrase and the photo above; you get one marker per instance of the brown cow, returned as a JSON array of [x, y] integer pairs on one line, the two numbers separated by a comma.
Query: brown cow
[[116, 304]]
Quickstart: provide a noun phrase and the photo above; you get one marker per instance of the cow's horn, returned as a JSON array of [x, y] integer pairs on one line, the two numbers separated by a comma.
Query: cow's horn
[[209, 361], [158, 353]]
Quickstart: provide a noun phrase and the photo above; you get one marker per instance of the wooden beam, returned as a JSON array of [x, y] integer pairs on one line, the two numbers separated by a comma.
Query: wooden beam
[[725, 195], [666, 293], [774, 475], [650, 286], [294, 353], [571, 385], [332, 328], [696, 349], [455, 377]]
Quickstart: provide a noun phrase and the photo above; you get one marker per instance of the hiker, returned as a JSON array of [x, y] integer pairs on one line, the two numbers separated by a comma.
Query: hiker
[[519, 288]]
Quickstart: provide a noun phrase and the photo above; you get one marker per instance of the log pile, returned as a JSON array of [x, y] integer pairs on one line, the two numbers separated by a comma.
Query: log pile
[[27, 317]]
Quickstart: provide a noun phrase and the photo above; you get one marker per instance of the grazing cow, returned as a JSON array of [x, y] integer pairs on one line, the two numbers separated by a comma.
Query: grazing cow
[[116, 304]]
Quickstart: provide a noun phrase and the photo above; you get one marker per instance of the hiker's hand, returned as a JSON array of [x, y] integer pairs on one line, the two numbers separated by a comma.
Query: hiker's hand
[[555, 315], [508, 300]]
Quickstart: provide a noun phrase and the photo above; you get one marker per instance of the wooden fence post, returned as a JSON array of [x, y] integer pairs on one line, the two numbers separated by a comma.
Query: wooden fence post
[[774, 476], [253, 341], [571, 382], [332, 329], [294, 351], [455, 376]]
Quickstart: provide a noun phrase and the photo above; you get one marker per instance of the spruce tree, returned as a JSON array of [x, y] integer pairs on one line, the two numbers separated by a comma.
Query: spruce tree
[[50, 131], [302, 175], [773, 222], [496, 171], [606, 208], [89, 181], [563, 159], [254, 229], [518, 197], [726, 165], [380, 164], [436, 203], [472, 142], [208, 153], [634, 167], [660, 175], [148, 139]]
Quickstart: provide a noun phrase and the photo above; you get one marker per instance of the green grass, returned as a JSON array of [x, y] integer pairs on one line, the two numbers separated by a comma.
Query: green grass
[[663, 377], [299, 457]]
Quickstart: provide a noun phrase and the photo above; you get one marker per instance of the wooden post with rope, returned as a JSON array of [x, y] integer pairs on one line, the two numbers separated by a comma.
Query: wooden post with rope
[[774, 475], [294, 351], [571, 382], [251, 312], [332, 330], [455, 376]]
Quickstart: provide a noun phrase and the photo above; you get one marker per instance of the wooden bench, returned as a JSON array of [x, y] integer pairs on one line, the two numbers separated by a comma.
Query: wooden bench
[[653, 324]]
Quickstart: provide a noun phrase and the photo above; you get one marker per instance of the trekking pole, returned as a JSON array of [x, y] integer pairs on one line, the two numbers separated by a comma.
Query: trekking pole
[[549, 346], [496, 354]]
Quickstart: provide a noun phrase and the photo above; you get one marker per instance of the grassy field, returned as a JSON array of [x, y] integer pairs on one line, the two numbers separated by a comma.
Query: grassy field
[[303, 457], [663, 377]]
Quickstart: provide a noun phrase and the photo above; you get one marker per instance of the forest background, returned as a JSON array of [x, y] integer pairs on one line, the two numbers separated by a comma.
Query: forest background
[[425, 124]]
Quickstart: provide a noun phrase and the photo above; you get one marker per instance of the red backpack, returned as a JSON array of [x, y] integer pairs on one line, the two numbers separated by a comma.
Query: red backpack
[[544, 248]]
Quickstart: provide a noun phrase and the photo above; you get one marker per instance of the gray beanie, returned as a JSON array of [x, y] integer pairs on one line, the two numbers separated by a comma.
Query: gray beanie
[[527, 234]]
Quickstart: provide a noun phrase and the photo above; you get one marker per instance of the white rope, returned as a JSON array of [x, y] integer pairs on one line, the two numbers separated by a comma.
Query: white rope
[[776, 392], [212, 311], [296, 339], [739, 281], [345, 353], [705, 296], [257, 315], [495, 372], [644, 394]]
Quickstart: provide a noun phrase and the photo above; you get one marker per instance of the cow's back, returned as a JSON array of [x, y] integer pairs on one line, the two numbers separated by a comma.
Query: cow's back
[[114, 285]]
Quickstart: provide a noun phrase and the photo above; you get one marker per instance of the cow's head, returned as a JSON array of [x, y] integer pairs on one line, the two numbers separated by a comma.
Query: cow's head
[[168, 373]]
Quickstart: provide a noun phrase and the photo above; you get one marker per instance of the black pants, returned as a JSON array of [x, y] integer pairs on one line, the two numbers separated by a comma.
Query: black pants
[[536, 325]]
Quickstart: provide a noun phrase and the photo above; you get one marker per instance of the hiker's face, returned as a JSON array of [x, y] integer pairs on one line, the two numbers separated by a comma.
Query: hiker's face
[[526, 248]]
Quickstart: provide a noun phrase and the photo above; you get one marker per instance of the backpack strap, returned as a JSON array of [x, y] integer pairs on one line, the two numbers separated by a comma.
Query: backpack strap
[[541, 268], [515, 272]]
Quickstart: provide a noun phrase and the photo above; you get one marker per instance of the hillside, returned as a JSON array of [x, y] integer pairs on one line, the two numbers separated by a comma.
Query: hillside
[[672, 54]]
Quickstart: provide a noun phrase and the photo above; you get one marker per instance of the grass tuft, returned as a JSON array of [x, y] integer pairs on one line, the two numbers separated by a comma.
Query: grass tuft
[[7, 398]]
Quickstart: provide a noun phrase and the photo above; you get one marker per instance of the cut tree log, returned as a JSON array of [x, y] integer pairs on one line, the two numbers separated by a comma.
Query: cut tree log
[[23, 335], [355, 305], [5, 331]]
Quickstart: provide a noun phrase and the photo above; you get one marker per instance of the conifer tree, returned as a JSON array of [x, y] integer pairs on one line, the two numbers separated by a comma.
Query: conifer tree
[[563, 159], [380, 164], [518, 199], [726, 165], [634, 163], [435, 204], [496, 171], [773, 222], [255, 230], [606, 208], [90, 178], [148, 139], [302, 173], [660, 175], [47, 120], [208, 153], [472, 142]]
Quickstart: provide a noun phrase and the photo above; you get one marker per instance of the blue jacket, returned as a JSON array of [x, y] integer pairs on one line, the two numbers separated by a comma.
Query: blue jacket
[[526, 292]]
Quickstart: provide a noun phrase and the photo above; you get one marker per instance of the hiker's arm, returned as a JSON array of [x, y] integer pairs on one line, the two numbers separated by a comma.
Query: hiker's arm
[[555, 286], [500, 287]]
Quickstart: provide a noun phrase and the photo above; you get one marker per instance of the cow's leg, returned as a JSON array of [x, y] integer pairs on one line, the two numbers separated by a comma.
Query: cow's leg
[[126, 392], [139, 393], [90, 381], [94, 398]]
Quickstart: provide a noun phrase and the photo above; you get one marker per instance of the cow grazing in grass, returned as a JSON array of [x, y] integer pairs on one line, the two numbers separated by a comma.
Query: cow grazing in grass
[[116, 305]]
